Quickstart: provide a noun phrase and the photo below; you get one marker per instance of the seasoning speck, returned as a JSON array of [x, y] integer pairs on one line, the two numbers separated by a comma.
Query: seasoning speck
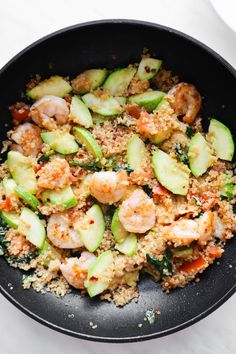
[[151, 316], [230, 266], [94, 326], [71, 315], [140, 325]]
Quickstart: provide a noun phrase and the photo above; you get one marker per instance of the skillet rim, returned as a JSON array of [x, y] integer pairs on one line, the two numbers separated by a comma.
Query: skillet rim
[[218, 303]]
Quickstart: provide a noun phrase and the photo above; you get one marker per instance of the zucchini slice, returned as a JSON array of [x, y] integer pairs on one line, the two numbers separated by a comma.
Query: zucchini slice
[[10, 218], [149, 100], [148, 68], [92, 228], [108, 106], [89, 80], [84, 190], [32, 227], [221, 140], [61, 142], [79, 113], [55, 86], [64, 197], [27, 197], [128, 246], [49, 253], [85, 137], [173, 175], [99, 274], [22, 172], [9, 186], [118, 81], [117, 228], [200, 157], [136, 152]]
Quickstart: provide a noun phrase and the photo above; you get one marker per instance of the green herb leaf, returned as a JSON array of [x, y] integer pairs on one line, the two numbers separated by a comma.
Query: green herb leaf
[[123, 167], [45, 157], [111, 162], [199, 214], [164, 266], [190, 132], [197, 201], [181, 155], [148, 191], [88, 166], [26, 259]]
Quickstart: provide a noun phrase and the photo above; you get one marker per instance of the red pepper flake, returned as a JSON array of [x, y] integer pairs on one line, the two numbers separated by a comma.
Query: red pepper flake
[[93, 278], [72, 178], [91, 222]]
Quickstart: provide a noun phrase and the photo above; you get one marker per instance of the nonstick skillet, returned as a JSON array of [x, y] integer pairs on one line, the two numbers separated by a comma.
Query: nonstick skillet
[[116, 43]]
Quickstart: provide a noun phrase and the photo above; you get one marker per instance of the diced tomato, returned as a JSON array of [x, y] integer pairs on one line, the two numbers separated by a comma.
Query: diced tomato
[[193, 267], [6, 204], [133, 110], [19, 112], [91, 222]]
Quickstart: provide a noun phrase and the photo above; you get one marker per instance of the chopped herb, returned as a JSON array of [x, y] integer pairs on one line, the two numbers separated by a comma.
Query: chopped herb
[[124, 167], [164, 266], [3, 246], [3, 242], [111, 162], [148, 191], [234, 208], [181, 155], [199, 214], [26, 259], [197, 201], [190, 132], [111, 209], [151, 316], [45, 157], [88, 166]]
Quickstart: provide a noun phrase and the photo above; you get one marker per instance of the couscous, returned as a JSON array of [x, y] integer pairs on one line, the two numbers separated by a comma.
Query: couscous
[[110, 174]]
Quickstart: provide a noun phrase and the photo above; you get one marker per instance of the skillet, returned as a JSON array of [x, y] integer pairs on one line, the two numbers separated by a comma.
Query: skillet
[[110, 44]]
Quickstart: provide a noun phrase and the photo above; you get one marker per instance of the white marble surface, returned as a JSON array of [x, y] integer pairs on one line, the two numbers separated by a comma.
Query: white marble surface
[[21, 23]]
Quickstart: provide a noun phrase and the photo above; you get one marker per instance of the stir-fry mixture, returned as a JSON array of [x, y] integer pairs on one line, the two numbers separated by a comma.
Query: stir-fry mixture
[[109, 175]]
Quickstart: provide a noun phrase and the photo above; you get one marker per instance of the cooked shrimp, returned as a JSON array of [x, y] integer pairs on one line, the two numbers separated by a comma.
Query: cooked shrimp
[[157, 126], [182, 232], [137, 213], [186, 101], [61, 233], [27, 138], [49, 111], [210, 225], [109, 187], [55, 174], [75, 269]]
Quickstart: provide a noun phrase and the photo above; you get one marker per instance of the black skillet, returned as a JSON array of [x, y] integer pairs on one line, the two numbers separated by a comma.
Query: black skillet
[[111, 44]]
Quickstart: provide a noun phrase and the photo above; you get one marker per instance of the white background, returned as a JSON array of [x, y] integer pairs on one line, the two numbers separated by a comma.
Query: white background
[[21, 23]]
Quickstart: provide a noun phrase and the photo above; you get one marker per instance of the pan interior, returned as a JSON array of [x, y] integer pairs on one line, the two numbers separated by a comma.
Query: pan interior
[[114, 44]]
